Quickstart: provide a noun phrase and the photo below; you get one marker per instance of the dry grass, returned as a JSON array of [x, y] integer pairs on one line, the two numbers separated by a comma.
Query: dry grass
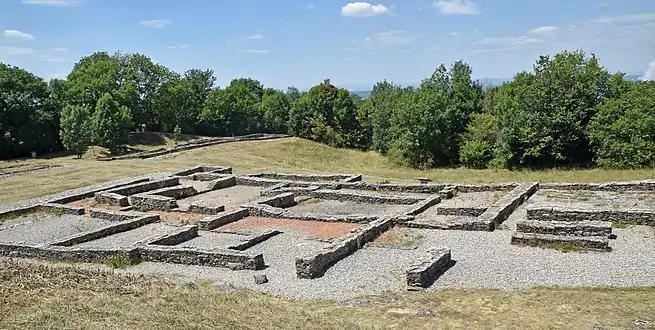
[[47, 297], [284, 155], [398, 237]]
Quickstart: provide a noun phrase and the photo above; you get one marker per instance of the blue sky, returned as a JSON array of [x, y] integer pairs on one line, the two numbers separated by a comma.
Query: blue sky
[[301, 42]]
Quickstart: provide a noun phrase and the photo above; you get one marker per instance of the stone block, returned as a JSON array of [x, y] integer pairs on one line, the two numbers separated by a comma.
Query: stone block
[[426, 271], [222, 219], [566, 228], [585, 242]]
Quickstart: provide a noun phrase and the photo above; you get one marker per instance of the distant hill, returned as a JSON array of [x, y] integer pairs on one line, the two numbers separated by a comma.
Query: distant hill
[[363, 94]]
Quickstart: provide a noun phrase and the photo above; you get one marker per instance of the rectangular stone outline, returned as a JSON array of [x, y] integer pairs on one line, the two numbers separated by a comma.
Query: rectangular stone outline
[[642, 185], [315, 265], [118, 227], [222, 219], [254, 240]]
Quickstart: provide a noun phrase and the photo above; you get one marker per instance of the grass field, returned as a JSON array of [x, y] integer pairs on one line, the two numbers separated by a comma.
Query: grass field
[[47, 297], [284, 155], [34, 296]]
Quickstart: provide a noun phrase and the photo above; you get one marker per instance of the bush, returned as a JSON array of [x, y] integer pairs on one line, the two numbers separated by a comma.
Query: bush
[[476, 154]]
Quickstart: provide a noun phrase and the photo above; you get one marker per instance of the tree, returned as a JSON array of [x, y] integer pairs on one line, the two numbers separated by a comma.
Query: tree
[[76, 130], [478, 141], [275, 111], [543, 115], [110, 124], [623, 130], [29, 117], [177, 131]]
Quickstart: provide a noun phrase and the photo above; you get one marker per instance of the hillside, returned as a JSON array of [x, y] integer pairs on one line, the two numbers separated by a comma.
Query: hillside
[[284, 155]]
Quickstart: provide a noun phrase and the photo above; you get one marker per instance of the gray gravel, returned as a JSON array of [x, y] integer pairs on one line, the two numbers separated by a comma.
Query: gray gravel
[[473, 199], [334, 207], [212, 240], [38, 228], [594, 200], [231, 197]]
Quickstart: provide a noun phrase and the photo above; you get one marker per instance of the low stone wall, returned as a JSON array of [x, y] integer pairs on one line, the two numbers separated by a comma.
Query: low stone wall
[[423, 205], [643, 185], [637, 217], [461, 211], [222, 219], [502, 209], [201, 257], [111, 199], [179, 235], [298, 191], [586, 242], [115, 215], [425, 272], [111, 196], [144, 202], [578, 228], [280, 201], [347, 196], [205, 169], [177, 192], [267, 211], [198, 207], [18, 212], [61, 253], [454, 223], [448, 192], [309, 177], [252, 241], [222, 183], [105, 231], [314, 266], [243, 180], [89, 194]]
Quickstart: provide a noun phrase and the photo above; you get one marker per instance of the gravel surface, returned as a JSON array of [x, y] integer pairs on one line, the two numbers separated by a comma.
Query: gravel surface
[[594, 199], [43, 199], [231, 197], [41, 228], [212, 240], [332, 207], [130, 237], [483, 260]]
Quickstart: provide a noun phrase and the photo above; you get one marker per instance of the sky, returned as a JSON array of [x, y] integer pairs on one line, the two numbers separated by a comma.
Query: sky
[[302, 42]]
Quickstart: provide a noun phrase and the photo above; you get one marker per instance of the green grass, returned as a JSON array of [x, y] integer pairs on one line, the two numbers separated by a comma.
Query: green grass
[[282, 155], [118, 262]]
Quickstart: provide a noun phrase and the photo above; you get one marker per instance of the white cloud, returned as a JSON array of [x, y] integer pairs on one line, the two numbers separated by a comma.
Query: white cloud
[[18, 35], [254, 51], [156, 23], [650, 72], [625, 18], [178, 46], [310, 6], [57, 3], [60, 50], [363, 9], [543, 30], [50, 58], [453, 34], [457, 7], [383, 40], [255, 36], [520, 40], [16, 51]]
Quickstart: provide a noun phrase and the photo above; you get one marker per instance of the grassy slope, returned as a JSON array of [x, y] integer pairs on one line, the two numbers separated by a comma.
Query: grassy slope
[[290, 155], [40, 297]]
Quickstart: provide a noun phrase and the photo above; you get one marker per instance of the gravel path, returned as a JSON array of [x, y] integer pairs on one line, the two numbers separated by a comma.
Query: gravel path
[[40, 228], [212, 240], [231, 197], [130, 237], [334, 207], [483, 260]]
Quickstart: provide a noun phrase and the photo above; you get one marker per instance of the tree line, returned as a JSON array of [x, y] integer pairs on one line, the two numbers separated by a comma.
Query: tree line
[[568, 111]]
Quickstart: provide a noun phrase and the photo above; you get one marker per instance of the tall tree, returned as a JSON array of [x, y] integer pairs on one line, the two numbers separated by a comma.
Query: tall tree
[[110, 124], [76, 130]]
